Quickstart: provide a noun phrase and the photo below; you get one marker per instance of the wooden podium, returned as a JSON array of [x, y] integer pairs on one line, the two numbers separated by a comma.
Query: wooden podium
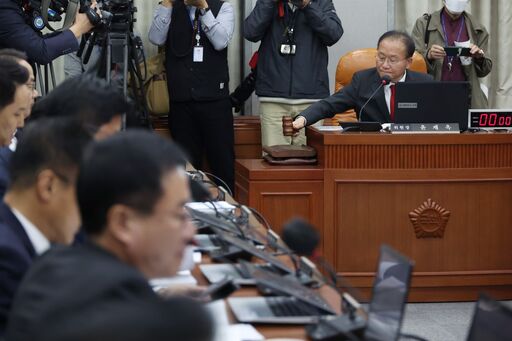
[[443, 200]]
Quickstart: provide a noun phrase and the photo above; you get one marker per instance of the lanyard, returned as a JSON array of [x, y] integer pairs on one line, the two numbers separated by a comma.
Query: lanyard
[[443, 23], [290, 19], [197, 27]]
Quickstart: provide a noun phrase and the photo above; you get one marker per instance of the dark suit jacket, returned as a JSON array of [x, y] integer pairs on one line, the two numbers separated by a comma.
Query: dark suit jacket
[[354, 96], [17, 34], [16, 256], [86, 293], [5, 159]]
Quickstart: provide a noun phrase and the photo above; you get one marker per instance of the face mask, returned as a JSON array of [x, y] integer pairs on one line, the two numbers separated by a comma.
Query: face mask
[[456, 6]]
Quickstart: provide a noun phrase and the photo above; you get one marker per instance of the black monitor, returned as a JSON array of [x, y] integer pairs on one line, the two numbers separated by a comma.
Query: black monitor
[[492, 320], [390, 291], [432, 102]]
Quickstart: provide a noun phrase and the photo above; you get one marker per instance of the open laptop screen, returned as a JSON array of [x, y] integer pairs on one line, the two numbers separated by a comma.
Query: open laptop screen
[[432, 102], [390, 291], [492, 321]]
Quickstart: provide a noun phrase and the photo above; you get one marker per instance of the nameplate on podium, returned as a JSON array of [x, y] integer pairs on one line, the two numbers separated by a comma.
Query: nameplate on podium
[[425, 128]]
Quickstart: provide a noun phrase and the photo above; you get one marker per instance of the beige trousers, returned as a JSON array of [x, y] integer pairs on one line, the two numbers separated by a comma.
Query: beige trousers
[[272, 123]]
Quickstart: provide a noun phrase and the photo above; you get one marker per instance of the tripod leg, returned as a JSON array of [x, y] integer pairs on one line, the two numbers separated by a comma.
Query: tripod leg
[[125, 77], [52, 74], [46, 80], [108, 60], [40, 79]]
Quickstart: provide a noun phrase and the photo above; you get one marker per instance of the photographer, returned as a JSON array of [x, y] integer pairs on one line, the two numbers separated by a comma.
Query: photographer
[[292, 68], [15, 32], [196, 34]]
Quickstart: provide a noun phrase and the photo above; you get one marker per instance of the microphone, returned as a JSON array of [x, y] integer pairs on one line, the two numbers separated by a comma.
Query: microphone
[[385, 80], [199, 191], [302, 238]]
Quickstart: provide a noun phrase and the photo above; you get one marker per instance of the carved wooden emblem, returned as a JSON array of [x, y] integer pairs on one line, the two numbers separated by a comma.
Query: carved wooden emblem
[[429, 220]]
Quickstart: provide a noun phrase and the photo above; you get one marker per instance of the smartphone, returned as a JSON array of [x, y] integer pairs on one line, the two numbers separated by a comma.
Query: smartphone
[[456, 51]]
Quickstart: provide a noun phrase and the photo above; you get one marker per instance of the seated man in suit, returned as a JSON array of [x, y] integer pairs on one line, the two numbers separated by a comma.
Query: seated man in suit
[[93, 101], [6, 152], [40, 206], [394, 56], [131, 192], [14, 98]]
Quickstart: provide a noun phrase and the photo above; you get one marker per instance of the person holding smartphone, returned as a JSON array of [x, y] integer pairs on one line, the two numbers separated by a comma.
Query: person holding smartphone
[[453, 26], [292, 67], [196, 35]]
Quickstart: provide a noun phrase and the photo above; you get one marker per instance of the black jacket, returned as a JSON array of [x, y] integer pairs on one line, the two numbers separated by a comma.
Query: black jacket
[[86, 293], [354, 95], [187, 80], [16, 33], [304, 75], [16, 256]]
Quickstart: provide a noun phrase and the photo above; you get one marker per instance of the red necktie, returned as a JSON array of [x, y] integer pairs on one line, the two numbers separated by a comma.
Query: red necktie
[[392, 103]]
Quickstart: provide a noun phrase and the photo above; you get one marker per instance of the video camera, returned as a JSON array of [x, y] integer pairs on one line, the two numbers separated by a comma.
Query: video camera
[[116, 15], [33, 12]]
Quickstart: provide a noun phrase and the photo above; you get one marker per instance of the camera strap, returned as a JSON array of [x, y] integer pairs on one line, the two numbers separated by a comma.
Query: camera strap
[[71, 10]]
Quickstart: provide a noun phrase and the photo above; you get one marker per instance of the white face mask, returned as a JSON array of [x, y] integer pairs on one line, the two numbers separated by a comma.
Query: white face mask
[[456, 6]]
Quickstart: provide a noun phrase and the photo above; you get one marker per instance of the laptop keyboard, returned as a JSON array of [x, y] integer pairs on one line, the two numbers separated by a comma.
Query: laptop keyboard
[[287, 306]]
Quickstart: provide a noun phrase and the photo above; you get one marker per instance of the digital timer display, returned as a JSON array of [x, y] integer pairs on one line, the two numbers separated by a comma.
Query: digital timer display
[[490, 119]]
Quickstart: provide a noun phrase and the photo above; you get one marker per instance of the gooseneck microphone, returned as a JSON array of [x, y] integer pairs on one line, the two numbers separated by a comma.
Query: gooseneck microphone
[[303, 238], [385, 80]]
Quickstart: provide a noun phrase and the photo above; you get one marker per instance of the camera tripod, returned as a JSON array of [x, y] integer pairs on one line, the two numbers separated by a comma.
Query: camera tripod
[[120, 49], [49, 74]]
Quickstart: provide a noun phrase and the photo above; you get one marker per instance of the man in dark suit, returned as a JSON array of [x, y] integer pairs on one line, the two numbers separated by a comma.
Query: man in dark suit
[[40, 206], [394, 56], [131, 191], [6, 152], [16, 32]]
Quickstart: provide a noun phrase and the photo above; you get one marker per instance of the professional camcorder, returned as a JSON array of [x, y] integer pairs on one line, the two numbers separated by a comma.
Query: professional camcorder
[[33, 12], [115, 15]]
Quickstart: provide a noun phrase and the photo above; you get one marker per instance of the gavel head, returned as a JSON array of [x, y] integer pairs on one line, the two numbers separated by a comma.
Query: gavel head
[[287, 126]]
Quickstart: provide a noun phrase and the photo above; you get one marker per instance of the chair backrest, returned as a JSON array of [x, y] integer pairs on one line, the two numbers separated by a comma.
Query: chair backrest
[[359, 60]]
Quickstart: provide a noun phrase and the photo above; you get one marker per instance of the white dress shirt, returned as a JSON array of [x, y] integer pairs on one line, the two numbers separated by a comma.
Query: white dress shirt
[[40, 243], [387, 91], [219, 30]]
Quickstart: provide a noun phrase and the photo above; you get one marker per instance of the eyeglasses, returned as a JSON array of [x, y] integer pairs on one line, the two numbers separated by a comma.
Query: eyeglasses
[[381, 59], [31, 85]]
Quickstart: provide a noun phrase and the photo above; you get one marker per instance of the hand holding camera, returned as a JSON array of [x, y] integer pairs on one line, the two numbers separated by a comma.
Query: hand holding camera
[[197, 3], [300, 3], [166, 3], [83, 23]]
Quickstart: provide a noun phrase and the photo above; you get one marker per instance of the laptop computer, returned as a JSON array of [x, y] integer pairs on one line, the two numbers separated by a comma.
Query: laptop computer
[[432, 102], [492, 320], [239, 274], [390, 292], [389, 296], [296, 305]]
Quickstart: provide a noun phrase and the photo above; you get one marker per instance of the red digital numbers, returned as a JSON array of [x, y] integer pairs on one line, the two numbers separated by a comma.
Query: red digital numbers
[[493, 120], [483, 120]]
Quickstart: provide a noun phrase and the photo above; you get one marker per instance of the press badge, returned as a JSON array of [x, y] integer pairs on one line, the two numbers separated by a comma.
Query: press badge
[[198, 54]]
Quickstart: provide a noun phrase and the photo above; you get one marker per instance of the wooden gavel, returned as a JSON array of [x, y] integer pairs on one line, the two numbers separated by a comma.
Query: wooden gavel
[[288, 126]]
